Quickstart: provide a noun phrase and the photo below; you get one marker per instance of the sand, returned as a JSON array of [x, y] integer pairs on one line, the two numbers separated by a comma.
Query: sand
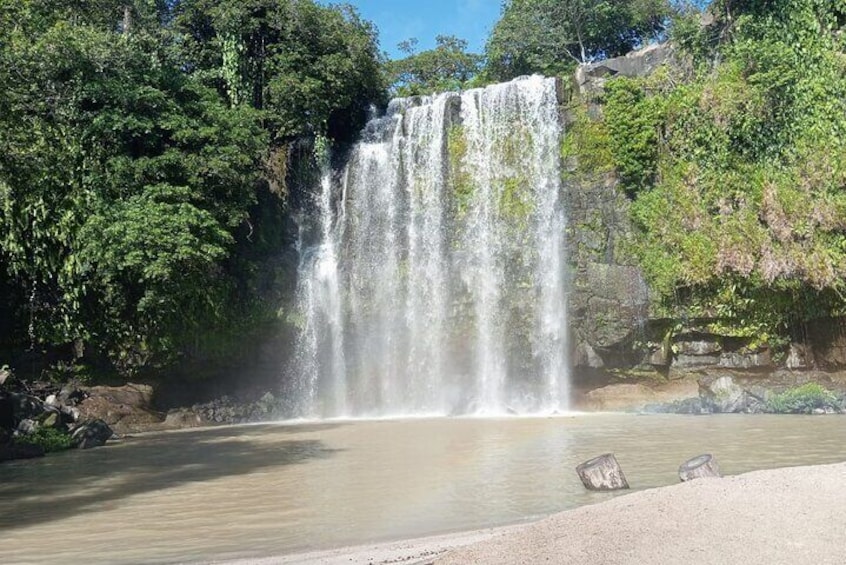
[[784, 516]]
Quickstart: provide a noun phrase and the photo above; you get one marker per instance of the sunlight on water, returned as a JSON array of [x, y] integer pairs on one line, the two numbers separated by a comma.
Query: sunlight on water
[[271, 489]]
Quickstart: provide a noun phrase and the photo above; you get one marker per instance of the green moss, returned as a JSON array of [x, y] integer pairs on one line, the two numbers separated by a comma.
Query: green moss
[[587, 144], [461, 181], [515, 202]]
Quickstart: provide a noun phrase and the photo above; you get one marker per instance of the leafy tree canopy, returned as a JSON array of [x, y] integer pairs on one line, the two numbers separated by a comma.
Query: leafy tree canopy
[[132, 138], [312, 69], [446, 67], [550, 36]]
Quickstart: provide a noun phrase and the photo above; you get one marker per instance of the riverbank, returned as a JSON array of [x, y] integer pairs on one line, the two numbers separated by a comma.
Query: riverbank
[[792, 516]]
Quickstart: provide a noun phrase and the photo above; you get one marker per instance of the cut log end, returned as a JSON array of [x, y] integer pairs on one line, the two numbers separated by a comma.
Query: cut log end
[[602, 473], [699, 467]]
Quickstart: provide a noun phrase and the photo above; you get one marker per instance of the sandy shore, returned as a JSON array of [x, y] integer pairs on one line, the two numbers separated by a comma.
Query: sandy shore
[[784, 516]]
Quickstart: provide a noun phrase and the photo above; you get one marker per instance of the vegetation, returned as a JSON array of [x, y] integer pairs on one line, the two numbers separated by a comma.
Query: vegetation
[[552, 36], [137, 144], [737, 173], [49, 439], [802, 400], [447, 67]]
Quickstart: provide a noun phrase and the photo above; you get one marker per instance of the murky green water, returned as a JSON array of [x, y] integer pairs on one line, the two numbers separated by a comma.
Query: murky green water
[[273, 489]]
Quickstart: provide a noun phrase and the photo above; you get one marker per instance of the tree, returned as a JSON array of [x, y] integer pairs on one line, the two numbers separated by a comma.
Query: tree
[[312, 69], [446, 67], [123, 181], [550, 36]]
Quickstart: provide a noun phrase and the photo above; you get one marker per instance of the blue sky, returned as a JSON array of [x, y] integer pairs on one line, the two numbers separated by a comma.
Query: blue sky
[[399, 20]]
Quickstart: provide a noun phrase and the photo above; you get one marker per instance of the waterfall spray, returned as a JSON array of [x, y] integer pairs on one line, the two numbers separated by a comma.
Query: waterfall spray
[[436, 283]]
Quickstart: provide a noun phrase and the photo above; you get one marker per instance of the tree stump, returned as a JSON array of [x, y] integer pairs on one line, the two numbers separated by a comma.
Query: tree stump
[[699, 468], [602, 473]]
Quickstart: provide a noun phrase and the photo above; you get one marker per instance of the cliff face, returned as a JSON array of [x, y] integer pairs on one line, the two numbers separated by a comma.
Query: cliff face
[[615, 330]]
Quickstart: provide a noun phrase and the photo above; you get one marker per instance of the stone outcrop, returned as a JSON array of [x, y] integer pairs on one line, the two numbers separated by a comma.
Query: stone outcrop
[[705, 391], [591, 78], [91, 434], [608, 306], [613, 323], [125, 409]]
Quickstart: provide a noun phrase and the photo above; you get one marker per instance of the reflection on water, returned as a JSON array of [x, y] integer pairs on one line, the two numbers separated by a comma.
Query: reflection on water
[[260, 490]]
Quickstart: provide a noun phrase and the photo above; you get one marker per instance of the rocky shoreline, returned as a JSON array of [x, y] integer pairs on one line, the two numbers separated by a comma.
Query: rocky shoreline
[[39, 417], [724, 392]]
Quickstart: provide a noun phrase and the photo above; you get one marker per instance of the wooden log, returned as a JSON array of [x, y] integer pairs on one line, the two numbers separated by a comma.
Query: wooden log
[[602, 473], [699, 468]]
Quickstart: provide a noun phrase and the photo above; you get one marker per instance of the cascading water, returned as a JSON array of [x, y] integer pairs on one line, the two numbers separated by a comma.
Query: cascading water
[[436, 282]]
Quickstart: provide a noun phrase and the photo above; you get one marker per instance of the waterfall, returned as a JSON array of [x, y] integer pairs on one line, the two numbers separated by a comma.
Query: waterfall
[[435, 280]]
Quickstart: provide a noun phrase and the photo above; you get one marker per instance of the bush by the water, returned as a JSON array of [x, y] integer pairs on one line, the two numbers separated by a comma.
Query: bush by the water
[[49, 439], [802, 400]]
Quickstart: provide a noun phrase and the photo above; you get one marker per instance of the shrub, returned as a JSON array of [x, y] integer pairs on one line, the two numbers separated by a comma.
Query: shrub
[[802, 400], [50, 439]]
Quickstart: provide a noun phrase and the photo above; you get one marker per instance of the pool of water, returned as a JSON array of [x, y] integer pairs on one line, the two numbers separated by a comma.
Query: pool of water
[[221, 493]]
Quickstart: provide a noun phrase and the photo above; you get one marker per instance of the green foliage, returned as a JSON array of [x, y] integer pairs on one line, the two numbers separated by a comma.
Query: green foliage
[[447, 67], [738, 172], [587, 145], [133, 141], [802, 400], [552, 36], [49, 439], [633, 120], [312, 69]]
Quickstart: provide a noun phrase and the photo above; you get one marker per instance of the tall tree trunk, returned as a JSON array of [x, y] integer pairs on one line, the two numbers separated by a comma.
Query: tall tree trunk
[[127, 18]]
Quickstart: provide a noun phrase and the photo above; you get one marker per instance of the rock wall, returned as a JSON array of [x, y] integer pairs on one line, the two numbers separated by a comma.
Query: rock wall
[[614, 336]]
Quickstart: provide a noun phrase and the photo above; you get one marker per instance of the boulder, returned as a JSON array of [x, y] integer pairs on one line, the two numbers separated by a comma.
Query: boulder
[[609, 306], [126, 409], [643, 62], [71, 395], [7, 412], [11, 451], [26, 407], [722, 395], [26, 427], [91, 434], [666, 397], [184, 418]]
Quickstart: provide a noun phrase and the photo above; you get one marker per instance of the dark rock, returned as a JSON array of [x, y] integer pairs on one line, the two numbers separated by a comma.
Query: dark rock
[[70, 414], [591, 78], [11, 451], [798, 357], [683, 361], [698, 347], [51, 420], [71, 395], [25, 406], [610, 306], [746, 360], [91, 434], [7, 412], [687, 406]]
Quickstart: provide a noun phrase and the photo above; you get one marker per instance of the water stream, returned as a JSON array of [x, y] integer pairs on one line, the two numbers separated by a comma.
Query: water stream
[[436, 282], [203, 495]]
